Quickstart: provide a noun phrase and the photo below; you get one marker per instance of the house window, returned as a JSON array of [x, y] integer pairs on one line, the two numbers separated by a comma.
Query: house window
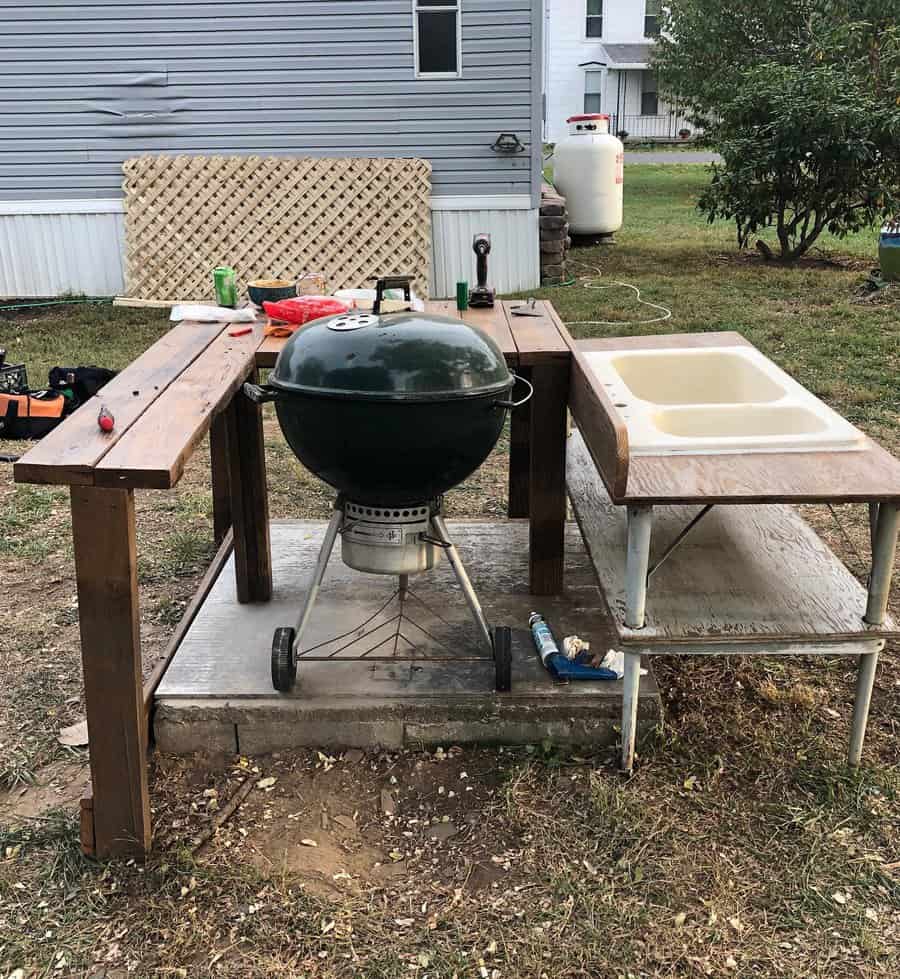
[[592, 90], [594, 26], [649, 95], [651, 18], [437, 38]]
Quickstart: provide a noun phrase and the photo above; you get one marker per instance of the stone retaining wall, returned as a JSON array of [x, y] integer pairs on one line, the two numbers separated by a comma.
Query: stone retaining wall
[[555, 240]]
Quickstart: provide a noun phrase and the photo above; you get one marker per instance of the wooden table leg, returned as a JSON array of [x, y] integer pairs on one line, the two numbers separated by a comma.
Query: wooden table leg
[[520, 457], [249, 499], [221, 491], [640, 524], [549, 417], [106, 571]]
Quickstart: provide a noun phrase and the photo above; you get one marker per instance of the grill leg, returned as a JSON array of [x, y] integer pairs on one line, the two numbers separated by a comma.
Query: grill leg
[[334, 525], [466, 585]]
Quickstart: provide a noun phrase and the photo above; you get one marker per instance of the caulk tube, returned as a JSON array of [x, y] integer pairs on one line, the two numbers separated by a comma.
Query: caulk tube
[[543, 639]]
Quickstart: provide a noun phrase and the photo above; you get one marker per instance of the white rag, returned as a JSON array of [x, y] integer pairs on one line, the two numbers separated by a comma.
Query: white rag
[[212, 314]]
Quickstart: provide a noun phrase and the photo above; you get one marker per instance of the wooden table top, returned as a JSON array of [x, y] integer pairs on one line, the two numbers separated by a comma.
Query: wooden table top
[[867, 474], [163, 403], [524, 340]]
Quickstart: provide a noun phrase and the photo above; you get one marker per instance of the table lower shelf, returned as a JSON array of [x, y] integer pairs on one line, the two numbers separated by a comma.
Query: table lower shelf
[[748, 578]]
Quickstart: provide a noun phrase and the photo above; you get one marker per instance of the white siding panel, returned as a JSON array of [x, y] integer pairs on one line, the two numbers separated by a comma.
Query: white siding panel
[[514, 262], [47, 254], [52, 254]]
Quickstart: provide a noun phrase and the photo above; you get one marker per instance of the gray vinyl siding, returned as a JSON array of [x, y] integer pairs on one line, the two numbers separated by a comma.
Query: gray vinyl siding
[[84, 86]]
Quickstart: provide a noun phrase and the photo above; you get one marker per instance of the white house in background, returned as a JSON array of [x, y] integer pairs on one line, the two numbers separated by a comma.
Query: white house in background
[[597, 59]]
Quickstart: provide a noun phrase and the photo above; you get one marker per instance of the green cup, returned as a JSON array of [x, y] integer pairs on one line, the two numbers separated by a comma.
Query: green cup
[[462, 295]]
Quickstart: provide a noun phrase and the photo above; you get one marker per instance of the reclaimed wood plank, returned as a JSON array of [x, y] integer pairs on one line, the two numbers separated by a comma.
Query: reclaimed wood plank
[[537, 338], [152, 455], [70, 452], [744, 574], [519, 495], [855, 476], [602, 427], [218, 464], [249, 499], [267, 352], [547, 490], [106, 573]]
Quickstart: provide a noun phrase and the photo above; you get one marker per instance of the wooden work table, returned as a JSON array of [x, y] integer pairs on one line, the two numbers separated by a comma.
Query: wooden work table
[[188, 384]]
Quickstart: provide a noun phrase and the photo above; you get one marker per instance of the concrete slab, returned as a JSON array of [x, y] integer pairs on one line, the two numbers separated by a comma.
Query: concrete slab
[[217, 690]]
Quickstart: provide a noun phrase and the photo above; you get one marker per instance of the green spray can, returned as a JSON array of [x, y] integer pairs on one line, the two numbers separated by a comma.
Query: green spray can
[[225, 283]]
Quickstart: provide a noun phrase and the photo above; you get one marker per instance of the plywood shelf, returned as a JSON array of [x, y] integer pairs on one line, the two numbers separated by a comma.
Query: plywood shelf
[[752, 575]]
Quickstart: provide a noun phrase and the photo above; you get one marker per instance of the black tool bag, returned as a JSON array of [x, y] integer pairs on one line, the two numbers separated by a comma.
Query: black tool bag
[[78, 384]]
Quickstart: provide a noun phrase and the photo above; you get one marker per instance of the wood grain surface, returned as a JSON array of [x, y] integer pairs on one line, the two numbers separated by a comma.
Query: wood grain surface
[[152, 454], [859, 475], [70, 452], [106, 567], [744, 574]]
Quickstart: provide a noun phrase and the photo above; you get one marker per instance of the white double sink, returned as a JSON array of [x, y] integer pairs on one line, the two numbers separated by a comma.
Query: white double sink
[[715, 400]]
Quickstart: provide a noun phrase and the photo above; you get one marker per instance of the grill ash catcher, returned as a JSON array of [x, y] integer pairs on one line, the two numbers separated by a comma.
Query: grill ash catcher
[[392, 410]]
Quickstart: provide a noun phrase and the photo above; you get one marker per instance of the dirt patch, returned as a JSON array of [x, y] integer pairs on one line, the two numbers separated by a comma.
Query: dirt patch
[[59, 785]]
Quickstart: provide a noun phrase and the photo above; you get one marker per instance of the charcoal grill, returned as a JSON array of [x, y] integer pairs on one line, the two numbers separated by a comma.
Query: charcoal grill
[[392, 410]]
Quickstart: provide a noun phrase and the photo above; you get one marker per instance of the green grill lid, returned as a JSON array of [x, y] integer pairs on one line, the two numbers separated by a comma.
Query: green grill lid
[[394, 356]]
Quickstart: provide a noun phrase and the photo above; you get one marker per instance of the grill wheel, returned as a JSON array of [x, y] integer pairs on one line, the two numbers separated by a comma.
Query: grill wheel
[[284, 666]]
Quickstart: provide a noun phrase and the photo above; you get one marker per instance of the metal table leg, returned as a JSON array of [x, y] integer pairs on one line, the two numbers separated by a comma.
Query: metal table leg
[[640, 524], [884, 520], [884, 549]]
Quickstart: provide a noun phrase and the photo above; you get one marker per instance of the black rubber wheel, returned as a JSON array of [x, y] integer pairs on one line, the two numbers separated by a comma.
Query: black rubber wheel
[[284, 666], [502, 659]]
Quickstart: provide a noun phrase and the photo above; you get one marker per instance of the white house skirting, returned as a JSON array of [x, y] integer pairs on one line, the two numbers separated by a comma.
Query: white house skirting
[[51, 248]]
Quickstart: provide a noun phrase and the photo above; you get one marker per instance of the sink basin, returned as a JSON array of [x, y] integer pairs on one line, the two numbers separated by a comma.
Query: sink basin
[[721, 399], [667, 377]]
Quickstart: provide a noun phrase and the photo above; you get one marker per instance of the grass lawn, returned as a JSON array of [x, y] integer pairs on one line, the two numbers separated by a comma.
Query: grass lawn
[[741, 846]]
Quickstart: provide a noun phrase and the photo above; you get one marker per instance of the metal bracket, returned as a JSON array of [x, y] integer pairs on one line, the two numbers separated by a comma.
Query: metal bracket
[[679, 538]]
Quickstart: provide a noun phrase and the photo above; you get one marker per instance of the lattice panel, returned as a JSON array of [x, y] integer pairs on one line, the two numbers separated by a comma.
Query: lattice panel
[[273, 218]]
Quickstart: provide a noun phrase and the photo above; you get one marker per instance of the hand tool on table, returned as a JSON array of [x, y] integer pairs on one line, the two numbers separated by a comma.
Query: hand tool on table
[[482, 296], [526, 309]]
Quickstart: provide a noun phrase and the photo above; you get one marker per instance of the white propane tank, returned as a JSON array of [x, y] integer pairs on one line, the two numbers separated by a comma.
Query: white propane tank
[[588, 168]]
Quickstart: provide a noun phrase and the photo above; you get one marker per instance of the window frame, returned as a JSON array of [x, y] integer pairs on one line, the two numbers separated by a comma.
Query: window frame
[[598, 94], [654, 17], [447, 6], [589, 17], [654, 92]]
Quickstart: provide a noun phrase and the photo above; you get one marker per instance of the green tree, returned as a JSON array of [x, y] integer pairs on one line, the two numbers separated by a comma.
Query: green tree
[[802, 100]]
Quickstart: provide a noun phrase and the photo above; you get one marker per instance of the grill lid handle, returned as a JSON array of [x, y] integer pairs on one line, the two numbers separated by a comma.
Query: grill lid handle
[[259, 394]]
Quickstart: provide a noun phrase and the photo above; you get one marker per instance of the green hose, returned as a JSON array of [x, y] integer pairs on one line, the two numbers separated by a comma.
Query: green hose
[[55, 302]]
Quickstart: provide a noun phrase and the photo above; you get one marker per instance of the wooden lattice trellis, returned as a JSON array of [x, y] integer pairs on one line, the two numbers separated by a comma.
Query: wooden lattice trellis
[[277, 217]]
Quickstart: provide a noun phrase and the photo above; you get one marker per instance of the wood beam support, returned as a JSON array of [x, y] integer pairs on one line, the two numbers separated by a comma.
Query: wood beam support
[[547, 490], [249, 499], [103, 530]]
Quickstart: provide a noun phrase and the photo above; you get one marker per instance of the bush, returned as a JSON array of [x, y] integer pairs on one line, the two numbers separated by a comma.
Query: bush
[[802, 100]]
